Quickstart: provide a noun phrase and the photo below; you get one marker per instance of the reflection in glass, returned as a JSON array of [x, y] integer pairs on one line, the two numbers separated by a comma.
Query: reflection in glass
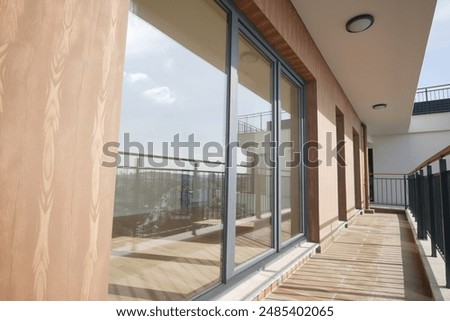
[[254, 180], [289, 149], [167, 229]]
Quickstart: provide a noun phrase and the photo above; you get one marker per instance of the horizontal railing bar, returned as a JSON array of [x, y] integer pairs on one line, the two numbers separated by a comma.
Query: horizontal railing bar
[[264, 113], [386, 174], [432, 87], [173, 170], [170, 158], [442, 153]]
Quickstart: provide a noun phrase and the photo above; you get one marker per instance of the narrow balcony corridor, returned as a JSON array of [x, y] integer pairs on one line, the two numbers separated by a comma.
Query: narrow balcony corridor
[[376, 258]]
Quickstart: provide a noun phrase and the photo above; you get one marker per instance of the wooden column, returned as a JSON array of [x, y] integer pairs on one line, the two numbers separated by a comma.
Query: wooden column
[[312, 172], [61, 70], [366, 167], [341, 168], [357, 168]]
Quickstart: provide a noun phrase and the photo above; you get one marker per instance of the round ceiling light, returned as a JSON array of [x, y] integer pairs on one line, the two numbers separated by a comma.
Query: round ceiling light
[[379, 106], [359, 23], [249, 57]]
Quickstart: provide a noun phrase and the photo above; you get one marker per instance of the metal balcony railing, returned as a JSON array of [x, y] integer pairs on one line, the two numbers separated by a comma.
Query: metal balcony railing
[[258, 122], [432, 93], [150, 198], [432, 100], [388, 189], [429, 196]]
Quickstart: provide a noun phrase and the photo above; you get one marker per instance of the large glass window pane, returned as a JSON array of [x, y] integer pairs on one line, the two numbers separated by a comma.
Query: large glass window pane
[[254, 179], [167, 229], [289, 152]]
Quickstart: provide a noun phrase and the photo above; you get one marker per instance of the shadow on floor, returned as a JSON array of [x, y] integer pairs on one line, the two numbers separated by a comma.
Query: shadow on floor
[[417, 287]]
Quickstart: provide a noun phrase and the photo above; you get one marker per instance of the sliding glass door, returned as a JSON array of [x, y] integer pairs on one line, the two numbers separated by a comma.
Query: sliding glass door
[[290, 138], [254, 194], [209, 182], [167, 233]]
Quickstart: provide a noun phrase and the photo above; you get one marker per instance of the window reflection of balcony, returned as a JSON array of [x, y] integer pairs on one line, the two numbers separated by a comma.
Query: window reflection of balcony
[[150, 199], [168, 222], [257, 122]]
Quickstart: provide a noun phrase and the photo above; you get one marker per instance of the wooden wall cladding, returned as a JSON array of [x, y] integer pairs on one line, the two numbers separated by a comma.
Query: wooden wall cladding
[[61, 70]]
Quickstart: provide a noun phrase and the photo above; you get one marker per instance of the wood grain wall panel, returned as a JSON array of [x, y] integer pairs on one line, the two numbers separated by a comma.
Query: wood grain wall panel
[[61, 70], [366, 168], [312, 172], [280, 24]]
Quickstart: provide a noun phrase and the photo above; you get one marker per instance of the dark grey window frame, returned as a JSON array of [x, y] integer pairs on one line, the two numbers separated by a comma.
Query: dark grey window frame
[[243, 31], [285, 70], [239, 25]]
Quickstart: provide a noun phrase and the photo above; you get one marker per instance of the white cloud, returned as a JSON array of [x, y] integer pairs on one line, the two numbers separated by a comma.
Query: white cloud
[[170, 62], [438, 39], [143, 38], [161, 95], [442, 11], [136, 76]]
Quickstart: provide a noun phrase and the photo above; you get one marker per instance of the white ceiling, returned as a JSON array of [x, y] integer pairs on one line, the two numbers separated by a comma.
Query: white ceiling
[[379, 65]]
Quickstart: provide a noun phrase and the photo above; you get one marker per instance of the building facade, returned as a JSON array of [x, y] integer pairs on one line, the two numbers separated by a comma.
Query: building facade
[[168, 150]]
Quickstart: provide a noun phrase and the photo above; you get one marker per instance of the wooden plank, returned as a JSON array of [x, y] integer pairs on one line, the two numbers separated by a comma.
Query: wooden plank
[[442, 153]]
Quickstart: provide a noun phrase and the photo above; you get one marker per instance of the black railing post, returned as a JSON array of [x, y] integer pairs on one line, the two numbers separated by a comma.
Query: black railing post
[[431, 206], [412, 195], [445, 217], [405, 192], [419, 210]]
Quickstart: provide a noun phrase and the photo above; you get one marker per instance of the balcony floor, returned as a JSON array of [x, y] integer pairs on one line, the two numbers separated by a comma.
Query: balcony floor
[[376, 258]]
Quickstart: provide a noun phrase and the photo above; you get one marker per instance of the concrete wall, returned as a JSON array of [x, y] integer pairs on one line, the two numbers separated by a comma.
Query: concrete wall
[[430, 123], [400, 154]]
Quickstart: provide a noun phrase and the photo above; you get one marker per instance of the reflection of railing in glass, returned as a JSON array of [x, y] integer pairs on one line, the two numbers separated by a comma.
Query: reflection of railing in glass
[[156, 252], [256, 122], [154, 198], [161, 202], [246, 197]]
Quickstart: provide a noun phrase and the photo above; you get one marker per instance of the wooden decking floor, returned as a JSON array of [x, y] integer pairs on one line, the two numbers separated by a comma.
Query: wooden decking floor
[[177, 268], [376, 258]]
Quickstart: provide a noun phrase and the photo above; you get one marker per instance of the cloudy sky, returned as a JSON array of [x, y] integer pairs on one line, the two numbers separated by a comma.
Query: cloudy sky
[[436, 66], [168, 90]]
